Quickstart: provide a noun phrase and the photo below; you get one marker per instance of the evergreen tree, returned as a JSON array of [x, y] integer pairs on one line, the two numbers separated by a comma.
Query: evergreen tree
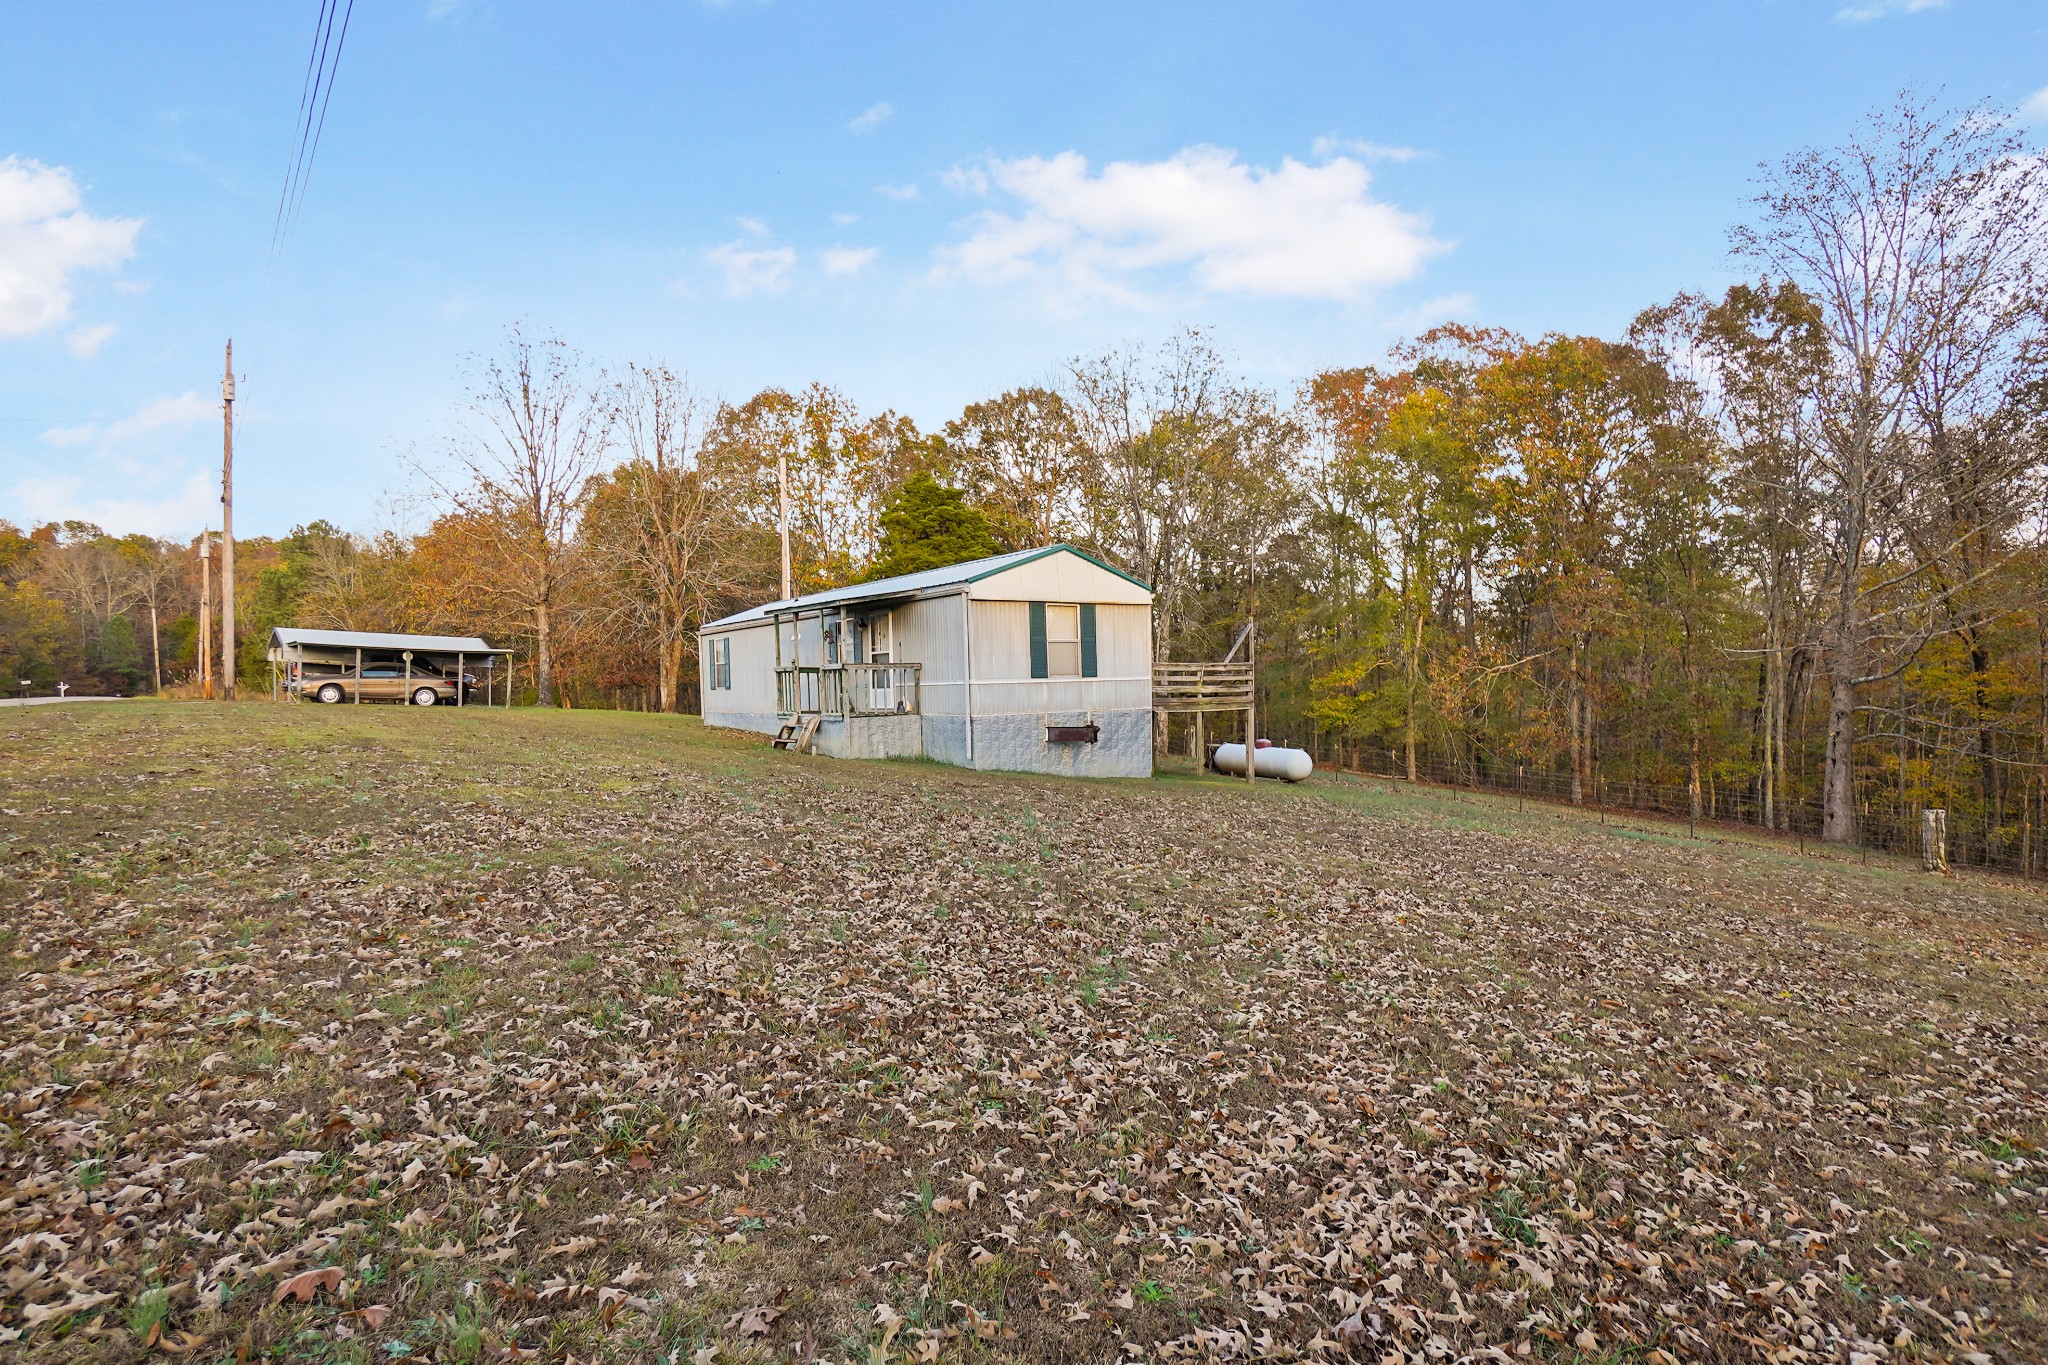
[[928, 526]]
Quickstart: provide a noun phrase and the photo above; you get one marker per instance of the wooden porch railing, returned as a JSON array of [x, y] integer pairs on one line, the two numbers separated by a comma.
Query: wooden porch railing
[[848, 689], [882, 689]]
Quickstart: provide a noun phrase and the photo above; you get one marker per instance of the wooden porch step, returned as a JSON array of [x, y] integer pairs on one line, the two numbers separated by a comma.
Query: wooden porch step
[[799, 735]]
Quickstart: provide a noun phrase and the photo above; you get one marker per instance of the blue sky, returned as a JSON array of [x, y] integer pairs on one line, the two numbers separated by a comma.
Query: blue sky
[[921, 204]]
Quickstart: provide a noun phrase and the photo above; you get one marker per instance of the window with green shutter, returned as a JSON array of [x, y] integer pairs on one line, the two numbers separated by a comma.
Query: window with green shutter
[[1062, 640]]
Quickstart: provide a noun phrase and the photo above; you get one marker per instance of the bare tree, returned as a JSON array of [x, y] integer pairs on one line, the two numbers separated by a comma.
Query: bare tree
[[539, 431], [86, 571], [359, 582], [658, 531], [1184, 470], [1021, 458], [1921, 243], [154, 573]]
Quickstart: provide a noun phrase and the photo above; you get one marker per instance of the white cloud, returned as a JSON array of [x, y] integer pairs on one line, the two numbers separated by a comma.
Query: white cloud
[[969, 179], [163, 414], [129, 475], [753, 270], [846, 260], [1454, 307], [1331, 145], [180, 511], [2035, 108], [85, 342], [46, 237], [845, 219], [1295, 231], [901, 193], [1878, 9], [870, 118]]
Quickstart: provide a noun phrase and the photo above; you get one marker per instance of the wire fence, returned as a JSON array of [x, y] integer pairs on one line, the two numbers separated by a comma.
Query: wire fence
[[2012, 841]]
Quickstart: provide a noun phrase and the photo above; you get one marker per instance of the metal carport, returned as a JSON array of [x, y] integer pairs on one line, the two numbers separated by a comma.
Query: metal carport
[[292, 648]]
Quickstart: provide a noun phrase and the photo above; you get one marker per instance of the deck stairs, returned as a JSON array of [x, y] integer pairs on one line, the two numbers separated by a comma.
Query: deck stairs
[[800, 733]]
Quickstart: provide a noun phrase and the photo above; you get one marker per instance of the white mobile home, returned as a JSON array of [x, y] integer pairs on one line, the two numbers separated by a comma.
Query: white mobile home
[[1036, 661]]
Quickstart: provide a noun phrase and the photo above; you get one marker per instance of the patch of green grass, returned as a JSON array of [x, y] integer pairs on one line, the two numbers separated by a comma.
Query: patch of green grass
[[149, 1309], [1998, 1149], [465, 1333], [609, 1014], [1108, 972], [1510, 1214]]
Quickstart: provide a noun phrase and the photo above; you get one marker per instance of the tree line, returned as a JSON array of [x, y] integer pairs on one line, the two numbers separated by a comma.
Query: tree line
[[1779, 549]]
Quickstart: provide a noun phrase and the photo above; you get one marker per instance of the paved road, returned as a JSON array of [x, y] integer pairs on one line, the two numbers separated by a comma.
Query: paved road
[[52, 701]]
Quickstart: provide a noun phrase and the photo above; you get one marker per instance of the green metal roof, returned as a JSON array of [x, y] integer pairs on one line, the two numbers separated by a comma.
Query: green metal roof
[[906, 585]]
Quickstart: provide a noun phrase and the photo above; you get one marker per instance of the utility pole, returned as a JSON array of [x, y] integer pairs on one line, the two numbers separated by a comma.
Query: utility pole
[[782, 492], [227, 526], [206, 615]]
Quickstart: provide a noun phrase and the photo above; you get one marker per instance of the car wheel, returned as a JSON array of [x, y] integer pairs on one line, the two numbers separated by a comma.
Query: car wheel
[[331, 693], [425, 696]]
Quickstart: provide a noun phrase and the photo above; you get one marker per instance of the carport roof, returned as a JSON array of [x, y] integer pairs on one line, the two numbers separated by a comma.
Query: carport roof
[[282, 637]]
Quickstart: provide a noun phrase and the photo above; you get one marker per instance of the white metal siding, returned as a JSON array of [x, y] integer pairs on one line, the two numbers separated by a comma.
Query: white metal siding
[[928, 633], [753, 673], [1012, 709], [1002, 643], [1060, 577]]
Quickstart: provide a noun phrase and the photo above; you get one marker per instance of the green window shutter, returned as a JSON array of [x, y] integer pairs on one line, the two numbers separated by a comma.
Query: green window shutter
[[1038, 665], [1087, 639]]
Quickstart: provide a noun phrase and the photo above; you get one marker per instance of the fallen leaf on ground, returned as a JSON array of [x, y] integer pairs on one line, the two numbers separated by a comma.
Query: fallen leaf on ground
[[302, 1286]]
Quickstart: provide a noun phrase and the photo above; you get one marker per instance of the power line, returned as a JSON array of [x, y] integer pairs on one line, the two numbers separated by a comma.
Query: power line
[[305, 102], [316, 91], [324, 100]]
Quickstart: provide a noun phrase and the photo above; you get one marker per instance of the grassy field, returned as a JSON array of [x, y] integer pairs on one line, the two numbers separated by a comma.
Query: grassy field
[[372, 1034]]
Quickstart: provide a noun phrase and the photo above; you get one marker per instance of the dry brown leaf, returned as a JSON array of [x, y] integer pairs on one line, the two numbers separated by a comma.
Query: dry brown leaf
[[754, 1320], [301, 1287], [575, 1246]]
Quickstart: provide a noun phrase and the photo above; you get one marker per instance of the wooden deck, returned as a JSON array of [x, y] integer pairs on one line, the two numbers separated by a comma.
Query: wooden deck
[[1183, 688]]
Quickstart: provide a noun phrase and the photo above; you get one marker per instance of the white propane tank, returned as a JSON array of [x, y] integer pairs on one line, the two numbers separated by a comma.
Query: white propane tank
[[1289, 765]]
